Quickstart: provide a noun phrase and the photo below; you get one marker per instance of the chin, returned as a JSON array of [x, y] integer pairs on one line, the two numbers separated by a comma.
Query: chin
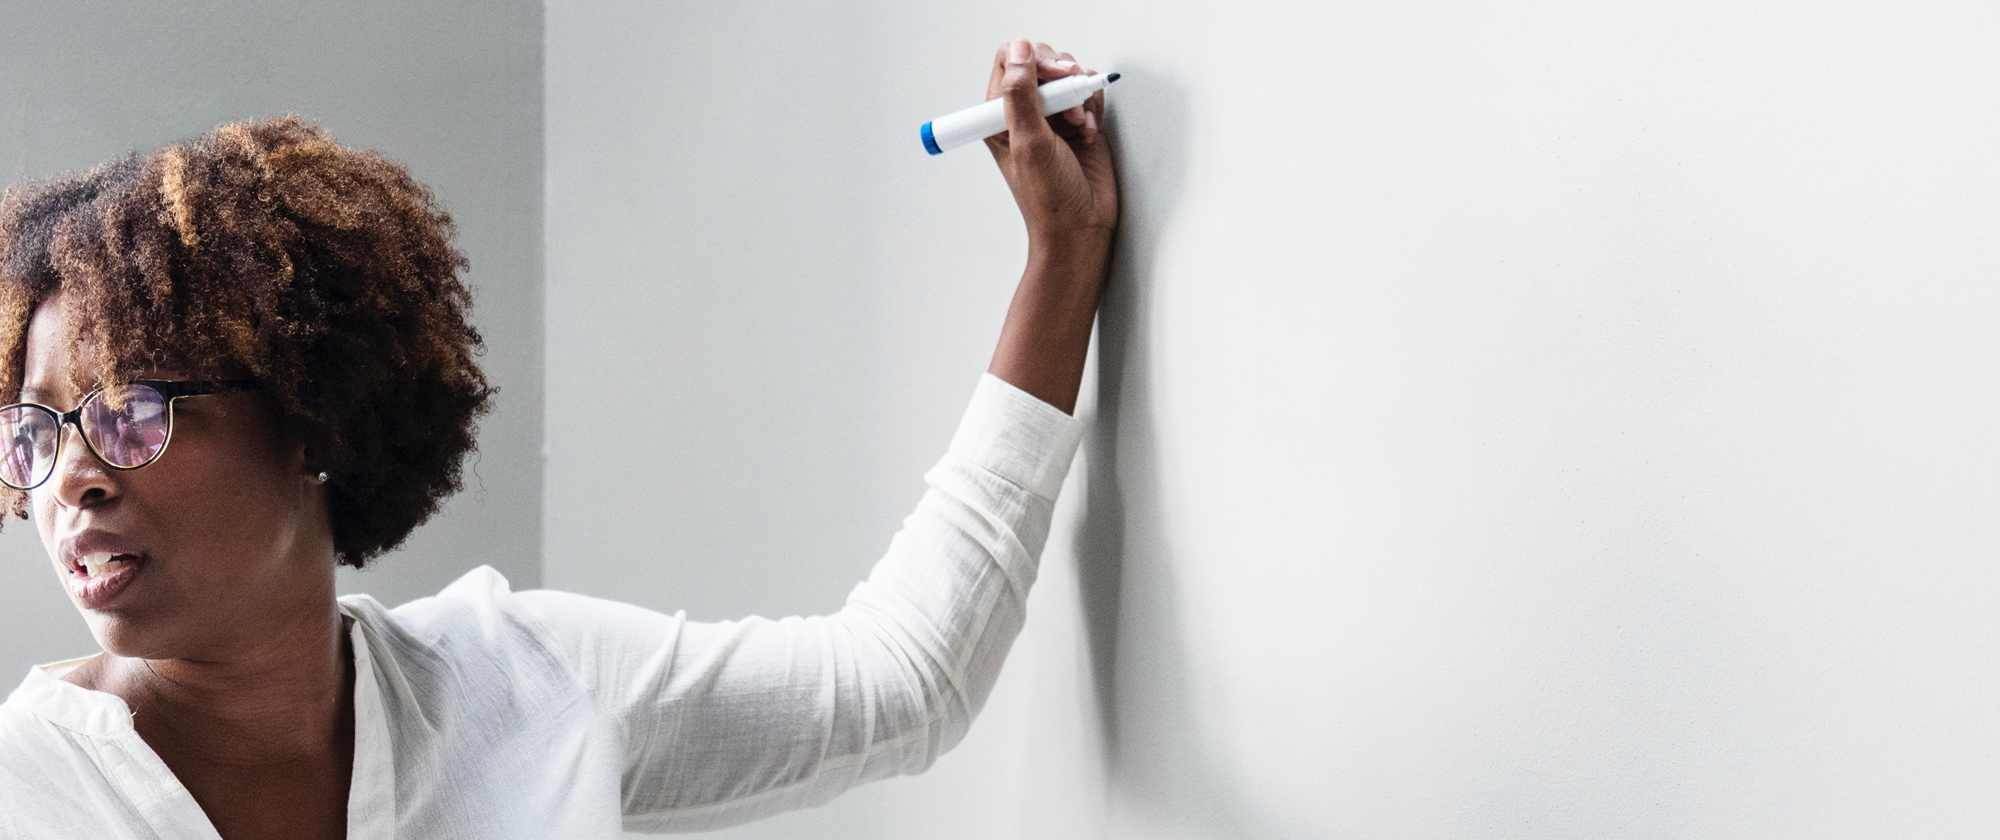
[[120, 635]]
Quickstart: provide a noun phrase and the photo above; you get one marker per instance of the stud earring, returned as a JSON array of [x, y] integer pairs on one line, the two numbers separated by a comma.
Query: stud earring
[[321, 478]]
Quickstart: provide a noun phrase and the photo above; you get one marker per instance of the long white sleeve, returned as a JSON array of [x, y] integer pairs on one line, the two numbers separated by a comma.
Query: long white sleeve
[[724, 723]]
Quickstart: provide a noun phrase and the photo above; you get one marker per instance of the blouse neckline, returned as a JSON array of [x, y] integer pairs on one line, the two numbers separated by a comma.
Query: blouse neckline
[[371, 797]]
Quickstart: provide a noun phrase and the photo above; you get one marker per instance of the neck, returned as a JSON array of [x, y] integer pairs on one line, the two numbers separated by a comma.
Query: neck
[[286, 697]]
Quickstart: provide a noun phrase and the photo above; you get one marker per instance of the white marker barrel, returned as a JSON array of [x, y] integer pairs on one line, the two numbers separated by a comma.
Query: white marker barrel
[[990, 117]]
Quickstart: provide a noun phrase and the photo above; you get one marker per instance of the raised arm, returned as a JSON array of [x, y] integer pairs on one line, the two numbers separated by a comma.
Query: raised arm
[[723, 723], [1060, 171]]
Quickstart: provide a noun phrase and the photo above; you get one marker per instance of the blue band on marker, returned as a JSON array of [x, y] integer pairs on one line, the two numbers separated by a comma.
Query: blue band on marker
[[930, 143]]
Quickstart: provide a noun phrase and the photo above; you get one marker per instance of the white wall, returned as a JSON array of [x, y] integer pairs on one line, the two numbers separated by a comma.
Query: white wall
[[1568, 420], [451, 89], [1562, 420]]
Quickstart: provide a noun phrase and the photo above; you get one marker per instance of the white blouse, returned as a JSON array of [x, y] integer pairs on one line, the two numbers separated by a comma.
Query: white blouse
[[486, 713]]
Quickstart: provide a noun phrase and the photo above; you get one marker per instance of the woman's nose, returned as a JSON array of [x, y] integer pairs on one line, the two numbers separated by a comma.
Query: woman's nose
[[79, 479]]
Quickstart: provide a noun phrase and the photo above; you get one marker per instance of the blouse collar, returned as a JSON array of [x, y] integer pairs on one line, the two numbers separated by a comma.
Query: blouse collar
[[45, 694]]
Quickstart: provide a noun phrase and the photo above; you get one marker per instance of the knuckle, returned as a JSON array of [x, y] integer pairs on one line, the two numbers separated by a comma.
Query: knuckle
[[1034, 146]]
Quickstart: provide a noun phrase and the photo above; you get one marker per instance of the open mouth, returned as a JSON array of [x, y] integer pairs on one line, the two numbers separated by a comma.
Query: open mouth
[[100, 563], [98, 577]]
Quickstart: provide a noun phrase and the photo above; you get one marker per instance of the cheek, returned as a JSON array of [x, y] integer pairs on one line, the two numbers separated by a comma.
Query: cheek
[[41, 508], [223, 499], [236, 483]]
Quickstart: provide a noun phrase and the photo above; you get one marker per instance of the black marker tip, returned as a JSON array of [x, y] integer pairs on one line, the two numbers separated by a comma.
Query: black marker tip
[[1111, 78]]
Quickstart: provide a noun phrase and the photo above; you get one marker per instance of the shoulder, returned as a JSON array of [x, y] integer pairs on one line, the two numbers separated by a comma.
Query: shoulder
[[49, 778], [474, 633], [479, 610], [478, 622], [25, 739]]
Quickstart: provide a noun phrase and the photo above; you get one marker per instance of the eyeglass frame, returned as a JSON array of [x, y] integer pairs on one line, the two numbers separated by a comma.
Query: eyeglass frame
[[169, 390]]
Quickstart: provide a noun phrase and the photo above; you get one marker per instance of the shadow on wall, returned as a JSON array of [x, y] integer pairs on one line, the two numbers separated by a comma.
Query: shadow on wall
[[1155, 757]]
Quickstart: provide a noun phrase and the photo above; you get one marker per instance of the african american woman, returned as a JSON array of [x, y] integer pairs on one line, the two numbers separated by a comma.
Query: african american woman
[[236, 362]]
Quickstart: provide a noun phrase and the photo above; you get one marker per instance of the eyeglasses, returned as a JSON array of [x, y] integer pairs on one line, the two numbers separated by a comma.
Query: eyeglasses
[[125, 426]]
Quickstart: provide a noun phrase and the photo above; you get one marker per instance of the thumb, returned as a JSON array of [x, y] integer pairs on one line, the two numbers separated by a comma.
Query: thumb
[[1023, 100]]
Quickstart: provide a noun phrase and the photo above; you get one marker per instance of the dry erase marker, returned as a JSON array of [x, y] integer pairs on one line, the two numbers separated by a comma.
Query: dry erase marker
[[990, 117]]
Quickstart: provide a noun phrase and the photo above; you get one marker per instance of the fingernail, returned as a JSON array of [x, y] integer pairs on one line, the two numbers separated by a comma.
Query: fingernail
[[1066, 64], [1017, 52]]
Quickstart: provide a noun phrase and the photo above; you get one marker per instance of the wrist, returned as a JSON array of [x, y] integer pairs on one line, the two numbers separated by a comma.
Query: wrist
[[1083, 252]]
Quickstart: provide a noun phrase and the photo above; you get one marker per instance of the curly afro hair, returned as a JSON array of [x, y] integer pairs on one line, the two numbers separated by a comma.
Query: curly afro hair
[[326, 273]]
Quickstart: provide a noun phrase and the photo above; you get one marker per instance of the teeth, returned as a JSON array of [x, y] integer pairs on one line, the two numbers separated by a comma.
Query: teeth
[[99, 562]]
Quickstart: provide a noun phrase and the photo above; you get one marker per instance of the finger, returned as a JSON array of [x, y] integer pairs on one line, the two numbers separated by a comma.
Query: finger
[[1092, 151], [997, 144], [1023, 102], [999, 71], [1067, 64], [1051, 64], [1090, 114], [1064, 129]]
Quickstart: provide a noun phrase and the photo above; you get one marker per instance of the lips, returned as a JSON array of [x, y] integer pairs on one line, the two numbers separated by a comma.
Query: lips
[[102, 565]]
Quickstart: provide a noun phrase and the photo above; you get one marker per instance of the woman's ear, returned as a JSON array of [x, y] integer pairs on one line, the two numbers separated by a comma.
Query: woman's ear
[[304, 460]]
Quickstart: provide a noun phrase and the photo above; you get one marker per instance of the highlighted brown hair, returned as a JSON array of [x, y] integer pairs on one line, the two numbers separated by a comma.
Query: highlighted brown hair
[[266, 249]]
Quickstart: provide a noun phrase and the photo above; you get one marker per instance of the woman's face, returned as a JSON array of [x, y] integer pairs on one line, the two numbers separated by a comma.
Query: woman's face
[[225, 538]]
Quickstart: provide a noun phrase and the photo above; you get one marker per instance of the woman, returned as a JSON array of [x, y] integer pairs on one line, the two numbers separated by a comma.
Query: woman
[[245, 359]]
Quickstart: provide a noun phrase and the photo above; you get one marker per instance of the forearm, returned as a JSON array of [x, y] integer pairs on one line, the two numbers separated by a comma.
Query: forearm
[[1061, 174], [738, 720], [1047, 333]]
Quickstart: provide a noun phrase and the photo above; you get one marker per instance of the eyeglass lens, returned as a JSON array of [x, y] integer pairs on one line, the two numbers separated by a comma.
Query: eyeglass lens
[[126, 426]]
